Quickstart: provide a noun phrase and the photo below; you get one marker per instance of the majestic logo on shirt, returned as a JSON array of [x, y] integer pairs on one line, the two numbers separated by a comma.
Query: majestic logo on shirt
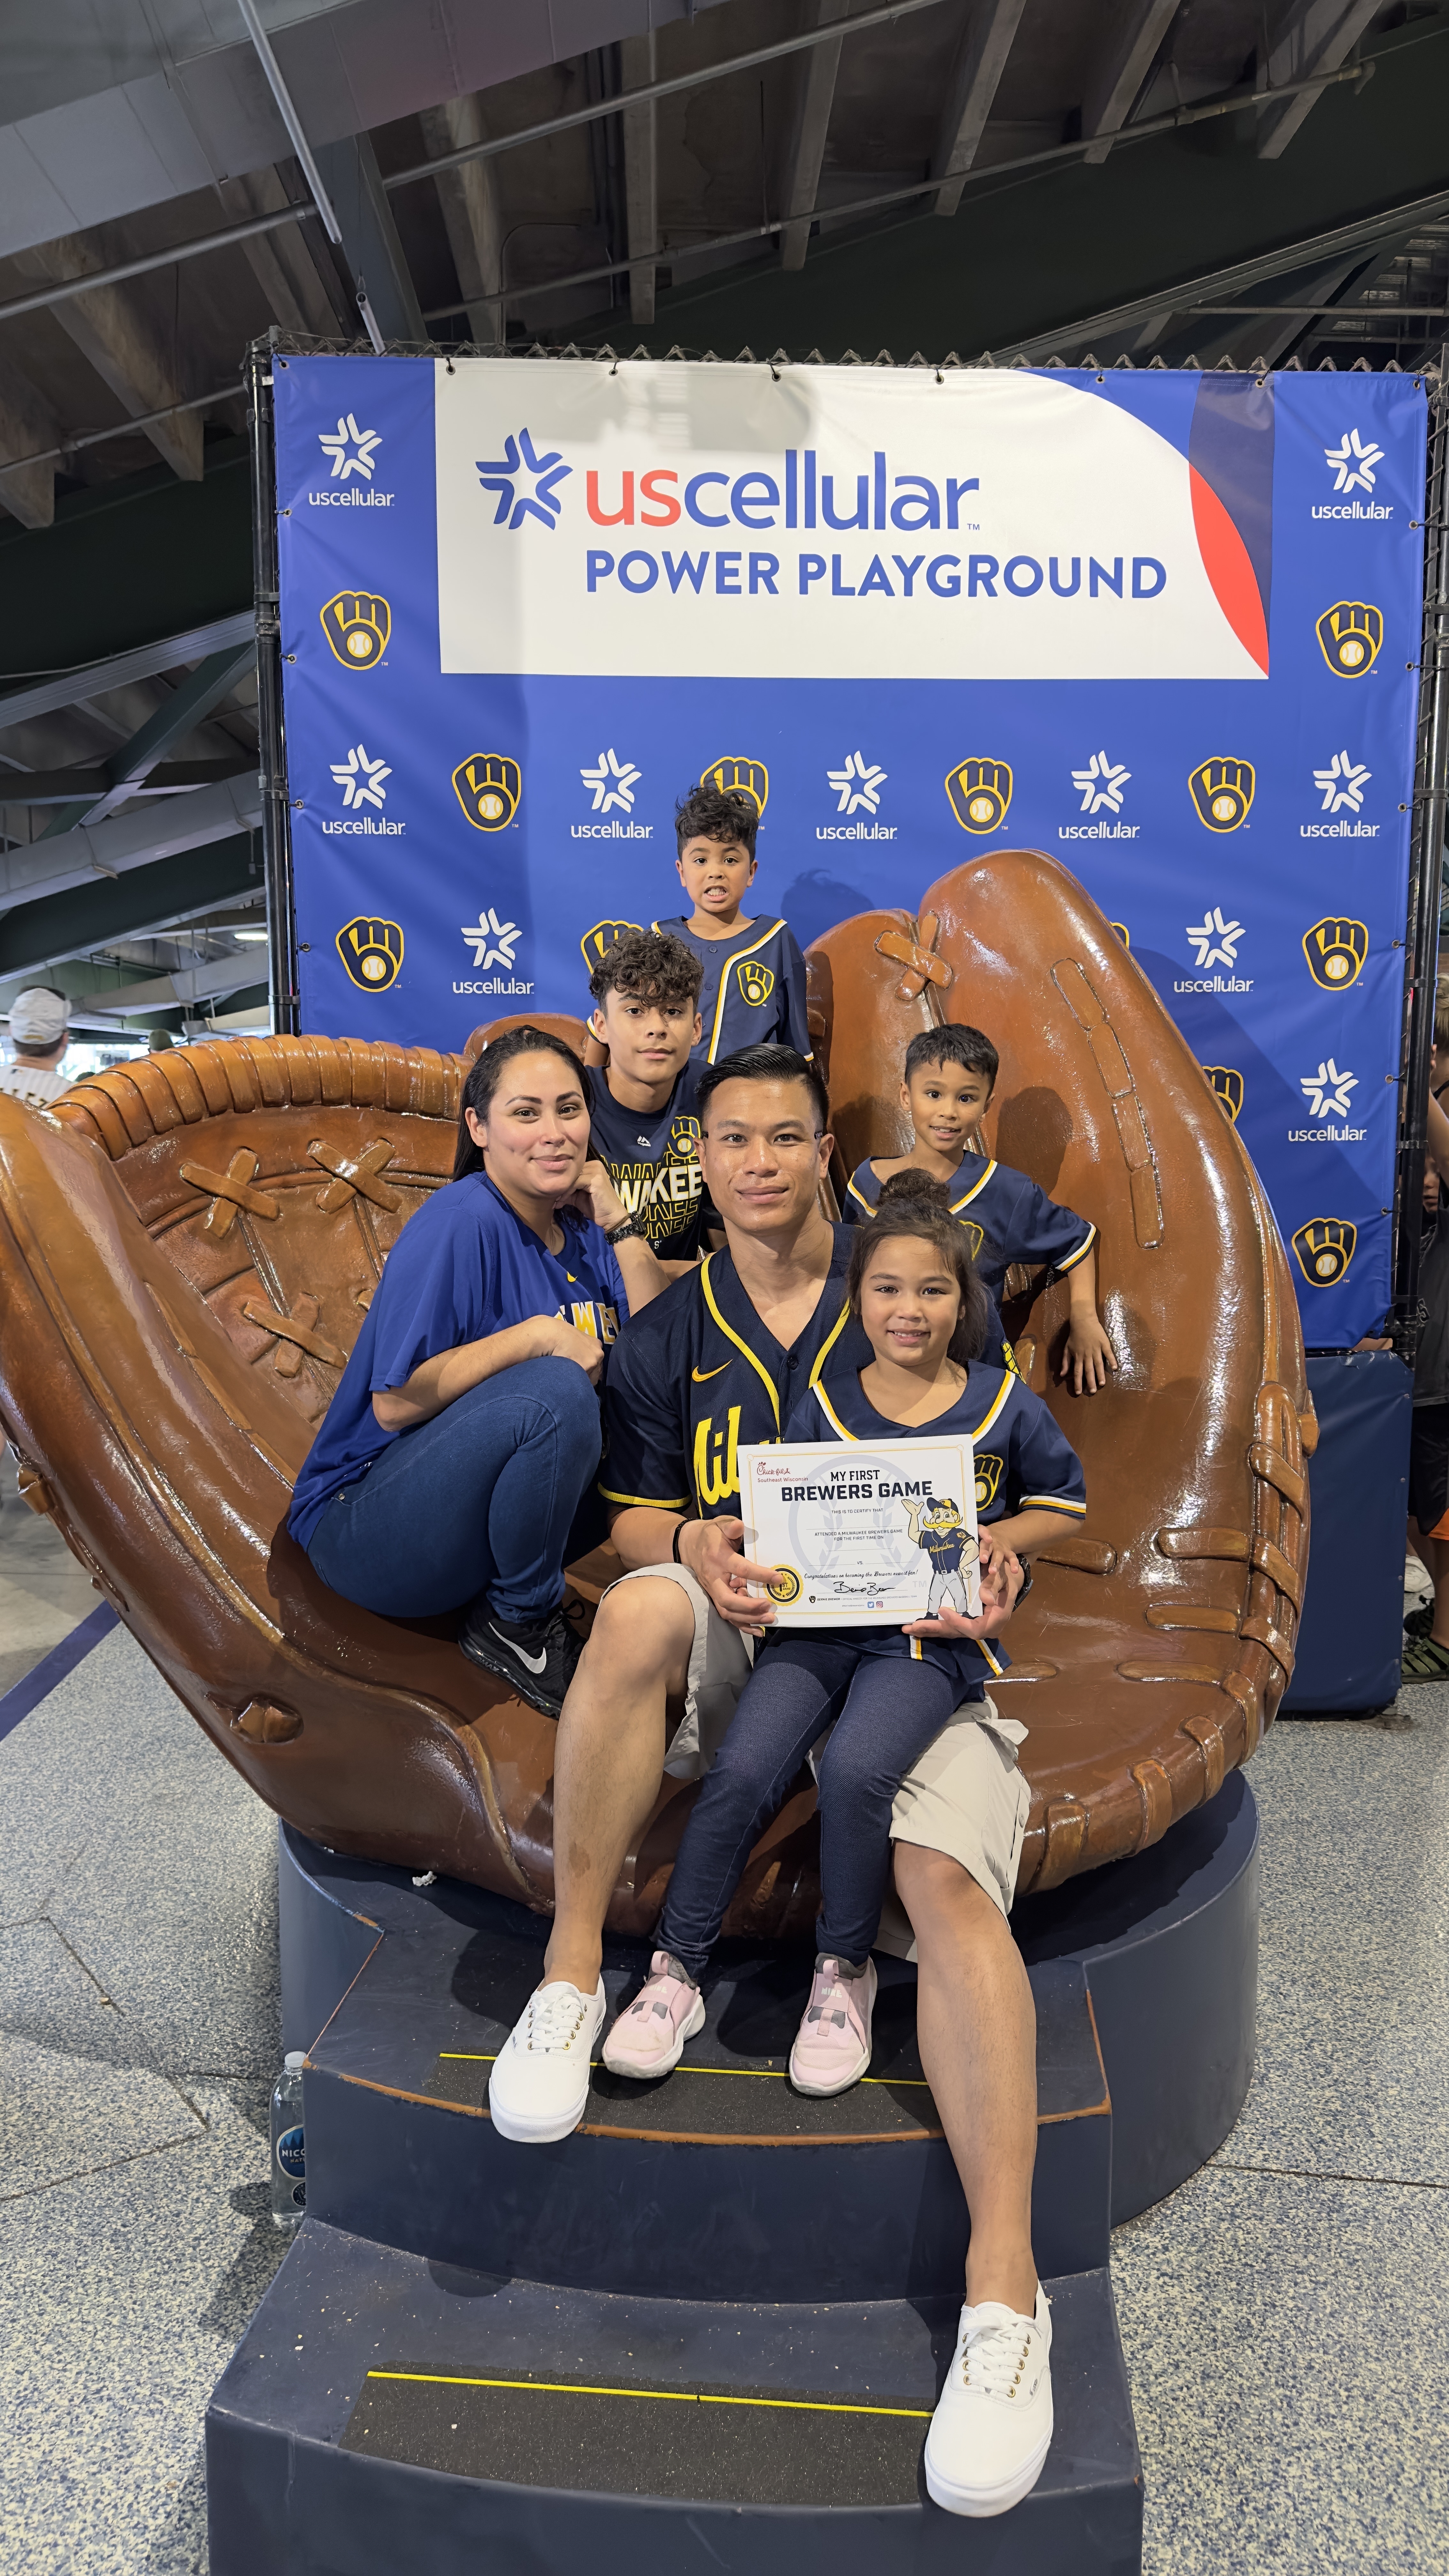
[[357, 624], [988, 1477], [716, 1459], [525, 482], [1350, 633], [741, 777], [755, 981], [372, 952], [1222, 791], [980, 792], [605, 935], [1325, 1246], [1227, 1085], [1335, 950], [488, 786]]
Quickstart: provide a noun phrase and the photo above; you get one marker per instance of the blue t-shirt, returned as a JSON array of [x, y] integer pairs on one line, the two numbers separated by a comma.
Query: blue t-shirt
[[464, 1266], [1003, 1214], [652, 1158], [754, 988]]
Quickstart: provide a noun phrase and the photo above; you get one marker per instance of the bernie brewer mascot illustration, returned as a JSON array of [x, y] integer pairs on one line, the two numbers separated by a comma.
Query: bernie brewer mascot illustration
[[937, 1527]]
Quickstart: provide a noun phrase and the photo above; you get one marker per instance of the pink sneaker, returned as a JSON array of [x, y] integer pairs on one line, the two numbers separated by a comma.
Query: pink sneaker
[[832, 2044], [649, 2038]]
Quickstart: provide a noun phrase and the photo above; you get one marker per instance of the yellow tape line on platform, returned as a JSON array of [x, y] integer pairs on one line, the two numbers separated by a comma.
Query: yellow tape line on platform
[[666, 2396], [761, 2074]]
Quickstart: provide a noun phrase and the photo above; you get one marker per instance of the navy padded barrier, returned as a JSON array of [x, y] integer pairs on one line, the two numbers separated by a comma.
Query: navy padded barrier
[[1351, 1638]]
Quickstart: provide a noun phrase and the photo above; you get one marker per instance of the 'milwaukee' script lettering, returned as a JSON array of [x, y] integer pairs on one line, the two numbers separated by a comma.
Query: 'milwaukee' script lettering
[[878, 1493]]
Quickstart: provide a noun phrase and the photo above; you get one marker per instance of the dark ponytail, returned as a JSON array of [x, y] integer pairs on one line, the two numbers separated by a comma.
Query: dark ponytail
[[486, 1075], [911, 1203]]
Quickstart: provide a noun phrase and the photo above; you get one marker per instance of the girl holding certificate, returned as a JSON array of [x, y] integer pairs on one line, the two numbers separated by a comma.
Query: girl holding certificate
[[884, 1693]]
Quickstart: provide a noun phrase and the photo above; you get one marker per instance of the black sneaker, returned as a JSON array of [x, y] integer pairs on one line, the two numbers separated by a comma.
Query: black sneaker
[[537, 1662], [1420, 1622]]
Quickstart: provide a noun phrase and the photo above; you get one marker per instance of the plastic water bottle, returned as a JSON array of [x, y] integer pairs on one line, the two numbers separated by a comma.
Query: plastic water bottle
[[289, 2167]]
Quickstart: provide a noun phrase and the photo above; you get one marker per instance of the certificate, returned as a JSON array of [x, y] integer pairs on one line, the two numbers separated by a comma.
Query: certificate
[[863, 1537]]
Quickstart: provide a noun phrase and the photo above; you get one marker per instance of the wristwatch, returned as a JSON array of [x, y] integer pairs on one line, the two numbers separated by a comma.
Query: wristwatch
[[631, 1231]]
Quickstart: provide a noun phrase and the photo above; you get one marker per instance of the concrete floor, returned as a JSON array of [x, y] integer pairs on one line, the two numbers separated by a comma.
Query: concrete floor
[[1284, 2313]]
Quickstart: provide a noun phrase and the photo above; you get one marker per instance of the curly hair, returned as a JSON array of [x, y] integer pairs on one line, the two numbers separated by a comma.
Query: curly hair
[[651, 966], [717, 814]]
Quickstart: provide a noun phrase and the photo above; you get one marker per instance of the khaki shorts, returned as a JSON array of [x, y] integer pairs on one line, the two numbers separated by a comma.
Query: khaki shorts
[[965, 1797]]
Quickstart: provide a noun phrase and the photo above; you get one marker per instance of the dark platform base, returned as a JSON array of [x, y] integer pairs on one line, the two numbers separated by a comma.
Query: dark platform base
[[738, 2281]]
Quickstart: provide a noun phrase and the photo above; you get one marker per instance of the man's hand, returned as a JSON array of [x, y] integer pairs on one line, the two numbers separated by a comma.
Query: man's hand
[[1089, 1355], [557, 1340], [714, 1553], [1002, 1577]]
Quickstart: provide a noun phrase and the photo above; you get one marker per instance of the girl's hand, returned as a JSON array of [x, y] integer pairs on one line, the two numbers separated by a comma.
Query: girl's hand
[[557, 1340], [595, 1197]]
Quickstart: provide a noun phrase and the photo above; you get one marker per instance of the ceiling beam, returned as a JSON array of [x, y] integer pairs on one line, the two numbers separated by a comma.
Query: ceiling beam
[[93, 679], [975, 78], [65, 786], [188, 706], [639, 64], [1125, 58], [204, 983], [130, 840], [108, 909], [118, 336], [1314, 36], [302, 292], [815, 79], [371, 246], [468, 202], [26, 424]]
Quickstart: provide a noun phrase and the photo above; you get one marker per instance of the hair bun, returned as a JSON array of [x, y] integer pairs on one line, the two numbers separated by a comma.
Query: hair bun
[[918, 1186]]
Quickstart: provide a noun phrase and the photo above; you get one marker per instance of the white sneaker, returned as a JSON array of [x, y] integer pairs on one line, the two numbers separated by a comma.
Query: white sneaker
[[992, 2427], [540, 2079]]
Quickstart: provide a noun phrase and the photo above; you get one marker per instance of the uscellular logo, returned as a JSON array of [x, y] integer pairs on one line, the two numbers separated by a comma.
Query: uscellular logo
[[1352, 465], [1326, 1094], [1215, 941], [364, 794], [612, 783], [1341, 788], [493, 943], [1101, 786], [352, 452], [856, 786]]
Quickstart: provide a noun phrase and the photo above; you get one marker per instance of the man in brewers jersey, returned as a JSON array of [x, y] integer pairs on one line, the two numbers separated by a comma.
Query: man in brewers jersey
[[719, 1359]]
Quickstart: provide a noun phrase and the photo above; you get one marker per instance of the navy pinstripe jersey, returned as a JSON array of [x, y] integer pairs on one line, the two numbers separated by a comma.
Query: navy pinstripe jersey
[[1005, 1215], [1023, 1464], [696, 1374], [754, 988]]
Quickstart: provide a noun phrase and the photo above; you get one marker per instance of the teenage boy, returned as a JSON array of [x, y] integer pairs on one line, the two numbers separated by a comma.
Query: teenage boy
[[950, 1077], [753, 988], [742, 1338], [644, 1127]]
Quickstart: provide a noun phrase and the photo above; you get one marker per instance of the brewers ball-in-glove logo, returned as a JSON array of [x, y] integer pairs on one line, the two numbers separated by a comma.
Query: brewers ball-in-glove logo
[[741, 777], [1325, 1246], [1222, 791], [1227, 1085], [756, 982], [605, 935], [684, 1140], [488, 786], [372, 952], [1350, 633], [988, 1477], [980, 792], [1335, 951], [1123, 933], [357, 624]]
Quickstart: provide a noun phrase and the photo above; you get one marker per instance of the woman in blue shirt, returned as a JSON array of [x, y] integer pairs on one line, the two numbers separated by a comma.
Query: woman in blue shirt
[[463, 1438]]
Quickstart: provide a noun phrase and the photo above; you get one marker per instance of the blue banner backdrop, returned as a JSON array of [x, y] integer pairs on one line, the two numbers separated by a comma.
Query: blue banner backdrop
[[1165, 626]]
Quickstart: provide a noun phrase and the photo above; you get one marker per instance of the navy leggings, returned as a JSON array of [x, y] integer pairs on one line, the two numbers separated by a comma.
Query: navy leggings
[[887, 1709], [493, 1495]]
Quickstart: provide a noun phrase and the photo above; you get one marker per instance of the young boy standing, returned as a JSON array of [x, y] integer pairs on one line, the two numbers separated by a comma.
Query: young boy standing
[[643, 1127], [950, 1074], [753, 990]]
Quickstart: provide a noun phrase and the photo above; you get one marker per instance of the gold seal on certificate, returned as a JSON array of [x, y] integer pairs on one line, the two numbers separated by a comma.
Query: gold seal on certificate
[[863, 1536]]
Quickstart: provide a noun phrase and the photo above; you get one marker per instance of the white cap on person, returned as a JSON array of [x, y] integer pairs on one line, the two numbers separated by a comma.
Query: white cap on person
[[38, 1018]]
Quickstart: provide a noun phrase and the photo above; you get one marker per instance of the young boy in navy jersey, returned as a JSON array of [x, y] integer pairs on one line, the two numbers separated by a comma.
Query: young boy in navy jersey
[[753, 987], [950, 1075], [645, 1130]]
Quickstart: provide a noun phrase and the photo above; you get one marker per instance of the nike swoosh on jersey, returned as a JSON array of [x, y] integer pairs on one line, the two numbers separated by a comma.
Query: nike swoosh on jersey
[[535, 1663], [700, 1375]]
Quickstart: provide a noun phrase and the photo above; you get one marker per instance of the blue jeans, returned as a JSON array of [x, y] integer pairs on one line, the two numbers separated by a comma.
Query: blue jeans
[[493, 1495], [887, 1709]]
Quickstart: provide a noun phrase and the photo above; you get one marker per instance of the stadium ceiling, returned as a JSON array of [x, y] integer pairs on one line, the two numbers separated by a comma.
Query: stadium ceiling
[[1216, 182]]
